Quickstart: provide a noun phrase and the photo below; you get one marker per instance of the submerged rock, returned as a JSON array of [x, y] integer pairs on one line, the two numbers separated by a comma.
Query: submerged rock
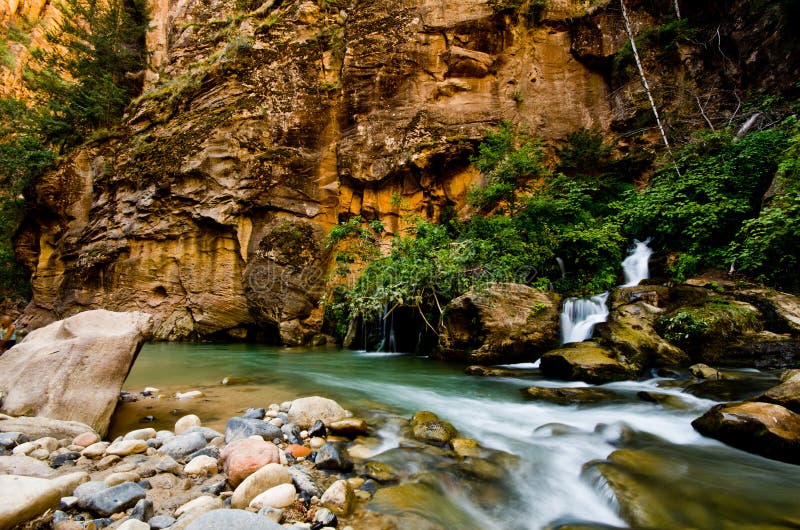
[[505, 322], [570, 395], [766, 429], [49, 371]]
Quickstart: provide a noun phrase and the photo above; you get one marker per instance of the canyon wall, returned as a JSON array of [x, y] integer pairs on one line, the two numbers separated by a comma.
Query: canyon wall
[[262, 126]]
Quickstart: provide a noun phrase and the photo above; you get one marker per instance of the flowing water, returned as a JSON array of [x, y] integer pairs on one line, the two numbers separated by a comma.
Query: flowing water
[[636, 265], [554, 476], [580, 315]]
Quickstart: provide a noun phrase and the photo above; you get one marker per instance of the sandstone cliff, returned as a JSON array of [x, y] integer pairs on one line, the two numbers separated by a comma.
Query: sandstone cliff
[[264, 125]]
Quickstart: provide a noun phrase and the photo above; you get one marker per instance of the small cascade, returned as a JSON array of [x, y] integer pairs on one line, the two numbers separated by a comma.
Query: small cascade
[[635, 266], [387, 333], [580, 315]]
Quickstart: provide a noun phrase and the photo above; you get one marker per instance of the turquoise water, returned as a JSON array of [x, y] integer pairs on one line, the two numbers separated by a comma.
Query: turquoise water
[[697, 482]]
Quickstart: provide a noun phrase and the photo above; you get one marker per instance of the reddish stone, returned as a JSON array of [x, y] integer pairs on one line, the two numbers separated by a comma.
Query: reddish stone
[[298, 450], [86, 439], [243, 457]]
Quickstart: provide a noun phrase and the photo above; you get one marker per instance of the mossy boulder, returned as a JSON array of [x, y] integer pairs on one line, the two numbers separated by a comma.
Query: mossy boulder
[[587, 361], [427, 427], [504, 322], [570, 395]]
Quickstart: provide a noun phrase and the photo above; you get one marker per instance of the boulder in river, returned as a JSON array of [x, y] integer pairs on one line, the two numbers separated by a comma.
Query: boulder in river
[[586, 361], [73, 369], [766, 429], [786, 394], [570, 395], [504, 322]]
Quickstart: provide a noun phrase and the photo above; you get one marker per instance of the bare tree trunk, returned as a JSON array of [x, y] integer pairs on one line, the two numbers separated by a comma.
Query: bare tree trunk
[[677, 10], [641, 74]]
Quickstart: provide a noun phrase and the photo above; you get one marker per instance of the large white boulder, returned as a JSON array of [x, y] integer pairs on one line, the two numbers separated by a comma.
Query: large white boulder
[[73, 369]]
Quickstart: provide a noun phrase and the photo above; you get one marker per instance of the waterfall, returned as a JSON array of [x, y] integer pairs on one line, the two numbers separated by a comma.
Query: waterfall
[[580, 315], [635, 265]]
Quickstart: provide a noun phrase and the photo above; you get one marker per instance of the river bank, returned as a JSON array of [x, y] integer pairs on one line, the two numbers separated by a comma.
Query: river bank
[[546, 465]]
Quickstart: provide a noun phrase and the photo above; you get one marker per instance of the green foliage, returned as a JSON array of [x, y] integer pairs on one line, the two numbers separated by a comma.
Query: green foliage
[[766, 246], [82, 81], [662, 40], [698, 213], [681, 328], [512, 163]]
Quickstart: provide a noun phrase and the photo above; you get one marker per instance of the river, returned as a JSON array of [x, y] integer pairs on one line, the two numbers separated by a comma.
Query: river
[[668, 471]]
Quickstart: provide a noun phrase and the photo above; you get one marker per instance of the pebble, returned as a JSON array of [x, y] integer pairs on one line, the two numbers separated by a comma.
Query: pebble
[[12, 439], [203, 504], [161, 521], [67, 503], [182, 445], [141, 434], [273, 514], [267, 477], [232, 520], [329, 457], [24, 448], [209, 434], [238, 428], [187, 422], [325, 517], [316, 443], [86, 439], [191, 394], [338, 497], [143, 510], [133, 524], [317, 429], [254, 413], [280, 496], [107, 462], [169, 465], [297, 451], [304, 482], [201, 465], [40, 454], [243, 457], [118, 478], [65, 458], [127, 447], [95, 450], [112, 500]]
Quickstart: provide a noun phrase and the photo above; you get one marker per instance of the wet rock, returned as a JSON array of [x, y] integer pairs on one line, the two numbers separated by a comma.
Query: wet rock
[[380, 472], [338, 498], [790, 376], [762, 428], [491, 371], [466, 447], [143, 510], [113, 500], [187, 422], [667, 400], [280, 496], [436, 432], [183, 445], [570, 395], [304, 482], [254, 413], [585, 361], [127, 447], [49, 371], [350, 427], [703, 371], [201, 465], [317, 429], [331, 458], [160, 522], [239, 428], [305, 411], [505, 322], [267, 477], [243, 457], [786, 395], [232, 520]]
